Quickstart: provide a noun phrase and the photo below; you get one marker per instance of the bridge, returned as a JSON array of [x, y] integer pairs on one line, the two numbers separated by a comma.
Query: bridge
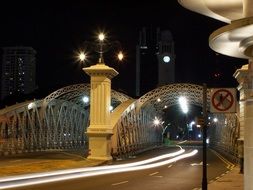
[[60, 121]]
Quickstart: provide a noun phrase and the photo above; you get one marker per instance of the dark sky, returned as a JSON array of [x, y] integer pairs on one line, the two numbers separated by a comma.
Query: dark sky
[[55, 29]]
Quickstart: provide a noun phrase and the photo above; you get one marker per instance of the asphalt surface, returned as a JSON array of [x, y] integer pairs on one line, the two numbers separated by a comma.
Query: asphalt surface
[[185, 174]]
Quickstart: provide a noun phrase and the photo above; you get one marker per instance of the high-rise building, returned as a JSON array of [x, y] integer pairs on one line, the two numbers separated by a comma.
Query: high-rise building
[[18, 71], [155, 60]]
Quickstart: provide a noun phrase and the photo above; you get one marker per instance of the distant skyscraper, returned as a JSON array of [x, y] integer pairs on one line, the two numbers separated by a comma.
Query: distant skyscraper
[[18, 71], [155, 60]]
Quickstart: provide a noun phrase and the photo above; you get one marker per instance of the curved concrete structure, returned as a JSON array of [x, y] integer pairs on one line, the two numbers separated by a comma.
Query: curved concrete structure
[[223, 10], [233, 40]]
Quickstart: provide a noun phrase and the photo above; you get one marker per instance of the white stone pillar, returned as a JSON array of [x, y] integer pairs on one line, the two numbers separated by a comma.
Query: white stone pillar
[[245, 78], [248, 140], [100, 129]]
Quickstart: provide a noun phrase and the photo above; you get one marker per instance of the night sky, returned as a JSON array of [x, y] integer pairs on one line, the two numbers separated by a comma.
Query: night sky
[[56, 29]]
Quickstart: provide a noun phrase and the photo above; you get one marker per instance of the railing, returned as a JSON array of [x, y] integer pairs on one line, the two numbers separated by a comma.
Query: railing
[[25, 128], [224, 135]]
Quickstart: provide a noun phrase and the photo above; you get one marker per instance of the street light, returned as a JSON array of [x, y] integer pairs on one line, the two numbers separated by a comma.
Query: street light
[[85, 99], [100, 46], [183, 104], [184, 107], [157, 121], [215, 120], [120, 56], [82, 56], [101, 36]]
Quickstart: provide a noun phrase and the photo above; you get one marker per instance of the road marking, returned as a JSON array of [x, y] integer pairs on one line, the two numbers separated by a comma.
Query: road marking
[[199, 164], [158, 176], [153, 173], [120, 183], [170, 166], [229, 164]]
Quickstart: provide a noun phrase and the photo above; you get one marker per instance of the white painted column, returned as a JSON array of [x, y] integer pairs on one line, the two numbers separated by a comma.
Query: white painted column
[[100, 129], [248, 132], [245, 78]]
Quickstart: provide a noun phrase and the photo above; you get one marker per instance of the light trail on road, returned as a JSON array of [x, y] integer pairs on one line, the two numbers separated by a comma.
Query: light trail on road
[[89, 169], [88, 173]]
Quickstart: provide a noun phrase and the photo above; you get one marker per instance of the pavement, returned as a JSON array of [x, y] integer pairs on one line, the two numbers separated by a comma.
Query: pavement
[[13, 165], [231, 180]]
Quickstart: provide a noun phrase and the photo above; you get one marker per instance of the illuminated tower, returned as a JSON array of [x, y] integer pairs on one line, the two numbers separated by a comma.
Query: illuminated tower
[[155, 60], [166, 58]]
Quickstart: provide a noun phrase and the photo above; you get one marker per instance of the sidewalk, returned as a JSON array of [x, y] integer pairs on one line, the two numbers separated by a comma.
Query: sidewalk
[[43, 162], [232, 180]]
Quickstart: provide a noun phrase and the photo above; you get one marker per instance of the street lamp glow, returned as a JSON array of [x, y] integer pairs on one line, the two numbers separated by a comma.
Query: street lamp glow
[[101, 37], [158, 100], [110, 108], [156, 121], [215, 119], [82, 56], [85, 99], [120, 56], [31, 105], [183, 104]]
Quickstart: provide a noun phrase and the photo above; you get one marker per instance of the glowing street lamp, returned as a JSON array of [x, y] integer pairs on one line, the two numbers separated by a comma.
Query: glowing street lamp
[[215, 120], [85, 99], [101, 37], [183, 104], [157, 121], [82, 56], [120, 56]]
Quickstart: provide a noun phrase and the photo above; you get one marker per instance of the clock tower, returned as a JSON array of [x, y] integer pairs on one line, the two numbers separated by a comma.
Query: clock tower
[[166, 58], [155, 60]]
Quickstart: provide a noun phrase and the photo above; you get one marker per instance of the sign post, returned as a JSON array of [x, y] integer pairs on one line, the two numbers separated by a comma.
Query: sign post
[[204, 175]]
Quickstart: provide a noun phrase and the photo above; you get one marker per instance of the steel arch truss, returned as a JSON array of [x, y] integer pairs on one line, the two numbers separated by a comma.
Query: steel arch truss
[[27, 127], [75, 93], [61, 120], [224, 134], [168, 95], [57, 122], [134, 130]]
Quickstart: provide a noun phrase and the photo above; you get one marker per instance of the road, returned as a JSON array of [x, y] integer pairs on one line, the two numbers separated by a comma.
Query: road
[[185, 174]]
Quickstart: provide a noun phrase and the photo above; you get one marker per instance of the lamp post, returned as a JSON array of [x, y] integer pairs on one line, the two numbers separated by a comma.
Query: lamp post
[[157, 122], [204, 175], [100, 129], [185, 109]]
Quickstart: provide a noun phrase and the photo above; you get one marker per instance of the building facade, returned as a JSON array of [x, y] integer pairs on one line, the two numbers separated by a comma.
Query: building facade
[[18, 71], [155, 60]]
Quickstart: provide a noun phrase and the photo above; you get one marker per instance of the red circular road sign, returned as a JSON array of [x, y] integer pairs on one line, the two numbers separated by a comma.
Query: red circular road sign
[[222, 100]]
